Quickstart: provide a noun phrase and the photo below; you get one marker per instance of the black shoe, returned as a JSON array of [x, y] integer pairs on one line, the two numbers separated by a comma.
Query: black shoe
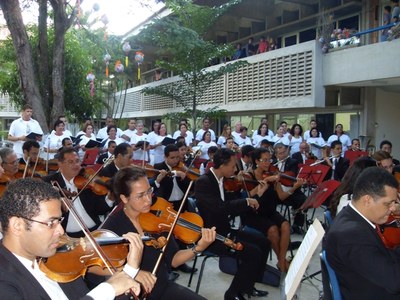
[[297, 229], [186, 269], [258, 293], [172, 276], [229, 296]]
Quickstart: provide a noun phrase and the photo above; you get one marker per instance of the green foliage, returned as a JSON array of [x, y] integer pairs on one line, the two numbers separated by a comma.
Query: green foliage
[[181, 37]]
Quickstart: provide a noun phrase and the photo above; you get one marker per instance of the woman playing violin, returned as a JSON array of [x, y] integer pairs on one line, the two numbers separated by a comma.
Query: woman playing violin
[[268, 220], [131, 186]]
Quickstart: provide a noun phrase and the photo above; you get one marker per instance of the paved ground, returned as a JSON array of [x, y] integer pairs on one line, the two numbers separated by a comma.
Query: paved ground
[[215, 283]]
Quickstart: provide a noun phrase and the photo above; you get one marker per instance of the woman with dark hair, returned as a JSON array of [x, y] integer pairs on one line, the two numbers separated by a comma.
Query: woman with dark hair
[[340, 135], [295, 138], [54, 140], [317, 143], [262, 134], [267, 220], [204, 144], [343, 194], [131, 186]]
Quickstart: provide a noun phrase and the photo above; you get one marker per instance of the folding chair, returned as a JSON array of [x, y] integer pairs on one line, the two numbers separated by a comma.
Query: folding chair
[[329, 280]]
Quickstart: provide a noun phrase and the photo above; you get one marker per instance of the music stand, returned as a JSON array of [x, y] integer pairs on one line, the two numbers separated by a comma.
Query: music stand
[[353, 155], [320, 194], [314, 175]]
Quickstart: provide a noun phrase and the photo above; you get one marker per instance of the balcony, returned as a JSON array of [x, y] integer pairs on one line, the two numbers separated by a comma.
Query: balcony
[[285, 78]]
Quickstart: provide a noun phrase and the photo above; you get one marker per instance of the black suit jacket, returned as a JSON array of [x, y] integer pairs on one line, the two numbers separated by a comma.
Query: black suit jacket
[[16, 282], [298, 157], [341, 167], [167, 184], [365, 268], [101, 158], [94, 205], [109, 171]]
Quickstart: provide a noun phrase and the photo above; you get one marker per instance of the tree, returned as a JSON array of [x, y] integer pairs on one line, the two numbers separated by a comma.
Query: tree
[[182, 37]]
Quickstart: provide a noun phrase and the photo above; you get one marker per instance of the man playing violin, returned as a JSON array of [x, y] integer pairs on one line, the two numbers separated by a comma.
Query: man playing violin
[[284, 163], [122, 158], [30, 215], [9, 163], [216, 209], [30, 149], [88, 205], [132, 187], [365, 268]]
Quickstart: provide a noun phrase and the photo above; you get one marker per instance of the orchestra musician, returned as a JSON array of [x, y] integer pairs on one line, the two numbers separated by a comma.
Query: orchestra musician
[[304, 154], [296, 197], [171, 183], [384, 160], [110, 151], [30, 150], [9, 163], [132, 187], [267, 220], [88, 205], [338, 164], [30, 215], [122, 158], [246, 161], [215, 211], [355, 145], [364, 267], [386, 146]]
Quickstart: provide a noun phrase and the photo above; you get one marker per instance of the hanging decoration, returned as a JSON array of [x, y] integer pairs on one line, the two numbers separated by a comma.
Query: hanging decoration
[[90, 77], [119, 67], [104, 20], [107, 58], [139, 58], [126, 47]]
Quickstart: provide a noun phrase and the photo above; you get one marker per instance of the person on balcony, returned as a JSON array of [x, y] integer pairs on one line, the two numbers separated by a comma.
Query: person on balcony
[[387, 16], [262, 45]]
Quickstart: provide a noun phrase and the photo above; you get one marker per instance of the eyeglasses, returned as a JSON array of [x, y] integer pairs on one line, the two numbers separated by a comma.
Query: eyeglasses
[[265, 160], [50, 224], [15, 162], [148, 193]]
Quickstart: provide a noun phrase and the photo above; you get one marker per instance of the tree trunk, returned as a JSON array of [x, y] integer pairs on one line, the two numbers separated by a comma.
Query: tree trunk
[[29, 84], [61, 24], [43, 60]]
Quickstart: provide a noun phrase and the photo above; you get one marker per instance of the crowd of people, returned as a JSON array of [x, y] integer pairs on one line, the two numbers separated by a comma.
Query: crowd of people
[[238, 175]]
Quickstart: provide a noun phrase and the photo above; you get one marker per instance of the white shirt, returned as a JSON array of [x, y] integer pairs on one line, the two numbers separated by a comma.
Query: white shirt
[[200, 133], [19, 127], [370, 223], [158, 152], [319, 142], [344, 139], [257, 139], [221, 141], [220, 184], [54, 142], [204, 148], [130, 133], [139, 154], [306, 135], [242, 141], [102, 134], [103, 291], [270, 134], [278, 139], [188, 138], [295, 144], [117, 140]]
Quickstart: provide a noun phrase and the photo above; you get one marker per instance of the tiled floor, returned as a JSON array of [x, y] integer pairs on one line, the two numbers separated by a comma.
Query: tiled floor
[[215, 283]]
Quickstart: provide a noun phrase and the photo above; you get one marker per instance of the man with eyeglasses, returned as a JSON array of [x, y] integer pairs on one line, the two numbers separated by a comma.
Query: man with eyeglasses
[[364, 266], [30, 216], [9, 163], [89, 206]]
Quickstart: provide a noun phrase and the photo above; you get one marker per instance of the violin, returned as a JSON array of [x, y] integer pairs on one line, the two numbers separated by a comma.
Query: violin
[[75, 255], [237, 183], [191, 173], [188, 226], [149, 169], [98, 186], [286, 178], [390, 231], [4, 181]]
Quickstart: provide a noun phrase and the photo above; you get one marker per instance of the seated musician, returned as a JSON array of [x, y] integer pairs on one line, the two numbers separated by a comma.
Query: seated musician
[[384, 160], [122, 158], [267, 220], [171, 184], [246, 161], [364, 267], [215, 210], [88, 205], [9, 163], [386, 146], [304, 154], [338, 164], [30, 215], [296, 197], [355, 145], [205, 166], [110, 151], [30, 150], [131, 186]]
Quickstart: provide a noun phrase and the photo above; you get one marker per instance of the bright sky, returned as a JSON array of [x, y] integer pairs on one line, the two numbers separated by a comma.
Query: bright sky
[[123, 15]]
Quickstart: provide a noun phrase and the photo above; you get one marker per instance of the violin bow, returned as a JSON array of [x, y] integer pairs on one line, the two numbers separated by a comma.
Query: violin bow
[[144, 153], [162, 252], [47, 157], [106, 163], [34, 167], [26, 167]]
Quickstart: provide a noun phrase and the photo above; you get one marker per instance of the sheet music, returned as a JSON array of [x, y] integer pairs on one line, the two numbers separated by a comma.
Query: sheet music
[[302, 258]]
